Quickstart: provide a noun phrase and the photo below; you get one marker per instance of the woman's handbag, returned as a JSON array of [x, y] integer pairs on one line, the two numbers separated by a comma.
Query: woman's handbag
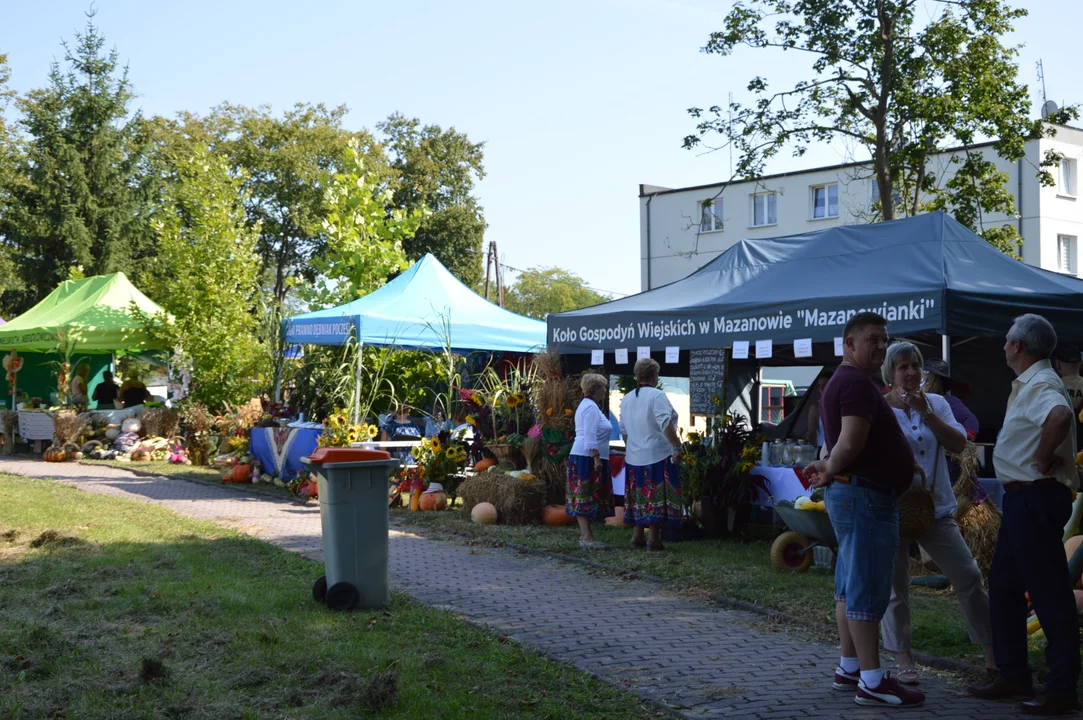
[[917, 506]]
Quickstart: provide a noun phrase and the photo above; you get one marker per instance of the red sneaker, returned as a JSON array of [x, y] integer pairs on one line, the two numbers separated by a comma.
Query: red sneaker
[[889, 693], [845, 681]]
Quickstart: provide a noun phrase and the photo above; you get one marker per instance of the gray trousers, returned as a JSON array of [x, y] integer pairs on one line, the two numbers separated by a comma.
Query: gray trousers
[[945, 545]]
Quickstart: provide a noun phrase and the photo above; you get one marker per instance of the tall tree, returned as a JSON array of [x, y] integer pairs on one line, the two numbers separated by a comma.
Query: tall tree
[[364, 239], [10, 283], [540, 291], [436, 171], [901, 88], [80, 197], [205, 277]]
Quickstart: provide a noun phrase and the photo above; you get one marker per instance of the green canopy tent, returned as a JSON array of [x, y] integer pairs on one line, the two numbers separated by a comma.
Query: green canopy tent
[[93, 317]]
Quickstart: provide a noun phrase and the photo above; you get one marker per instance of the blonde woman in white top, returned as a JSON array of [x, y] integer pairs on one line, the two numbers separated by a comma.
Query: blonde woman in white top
[[652, 488], [590, 486], [930, 426]]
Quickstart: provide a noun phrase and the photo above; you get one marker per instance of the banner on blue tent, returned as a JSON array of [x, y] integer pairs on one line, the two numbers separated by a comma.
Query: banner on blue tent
[[820, 321]]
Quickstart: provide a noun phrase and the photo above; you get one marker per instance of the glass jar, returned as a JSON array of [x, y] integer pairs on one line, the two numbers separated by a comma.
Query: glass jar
[[787, 453], [776, 453]]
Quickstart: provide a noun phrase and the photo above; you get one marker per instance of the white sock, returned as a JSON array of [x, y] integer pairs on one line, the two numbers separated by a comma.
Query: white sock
[[872, 678], [848, 665]]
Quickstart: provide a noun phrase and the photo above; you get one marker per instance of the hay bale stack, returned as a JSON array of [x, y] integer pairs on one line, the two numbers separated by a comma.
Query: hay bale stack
[[555, 397], [160, 422], [517, 501], [980, 524]]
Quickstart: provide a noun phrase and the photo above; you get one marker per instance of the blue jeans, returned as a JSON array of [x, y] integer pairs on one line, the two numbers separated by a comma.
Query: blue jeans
[[866, 524]]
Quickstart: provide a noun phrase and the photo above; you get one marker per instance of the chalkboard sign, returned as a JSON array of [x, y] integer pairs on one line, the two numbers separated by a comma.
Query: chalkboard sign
[[706, 373]]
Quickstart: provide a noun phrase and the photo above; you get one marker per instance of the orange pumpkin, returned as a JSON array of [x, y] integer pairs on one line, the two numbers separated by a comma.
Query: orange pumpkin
[[433, 501], [484, 465], [241, 473], [557, 516], [55, 453]]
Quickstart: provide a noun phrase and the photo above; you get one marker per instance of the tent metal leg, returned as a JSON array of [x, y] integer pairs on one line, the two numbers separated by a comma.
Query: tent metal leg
[[945, 349]]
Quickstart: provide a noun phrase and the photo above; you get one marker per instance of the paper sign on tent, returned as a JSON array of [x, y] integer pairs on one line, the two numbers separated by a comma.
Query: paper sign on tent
[[740, 350], [802, 348], [838, 347], [597, 357], [643, 351], [622, 356], [673, 354], [763, 348]]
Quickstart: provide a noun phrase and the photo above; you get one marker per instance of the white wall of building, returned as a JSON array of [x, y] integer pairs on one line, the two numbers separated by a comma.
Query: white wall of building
[[673, 243]]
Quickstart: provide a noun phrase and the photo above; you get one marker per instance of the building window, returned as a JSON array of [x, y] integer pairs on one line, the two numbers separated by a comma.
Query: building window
[[825, 201], [1066, 180], [1066, 254], [875, 194], [772, 407], [711, 215], [763, 209]]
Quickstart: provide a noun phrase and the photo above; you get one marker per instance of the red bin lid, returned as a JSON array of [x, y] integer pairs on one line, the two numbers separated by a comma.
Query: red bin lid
[[346, 454]]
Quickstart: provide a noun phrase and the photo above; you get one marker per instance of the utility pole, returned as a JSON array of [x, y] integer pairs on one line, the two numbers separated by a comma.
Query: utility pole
[[499, 274], [488, 266]]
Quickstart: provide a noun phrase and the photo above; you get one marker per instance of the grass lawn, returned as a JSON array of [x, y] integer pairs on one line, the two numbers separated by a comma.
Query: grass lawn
[[738, 569], [191, 472], [118, 609]]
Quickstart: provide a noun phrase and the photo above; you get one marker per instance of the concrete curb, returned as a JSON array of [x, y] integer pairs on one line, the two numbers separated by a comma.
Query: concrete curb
[[939, 663]]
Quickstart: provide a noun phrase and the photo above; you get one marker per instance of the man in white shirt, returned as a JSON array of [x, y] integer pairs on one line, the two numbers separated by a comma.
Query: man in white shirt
[[1035, 460]]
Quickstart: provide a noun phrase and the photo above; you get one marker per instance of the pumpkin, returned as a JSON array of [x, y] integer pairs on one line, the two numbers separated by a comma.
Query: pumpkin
[[484, 465], [55, 453], [241, 473], [557, 516], [484, 514], [433, 501]]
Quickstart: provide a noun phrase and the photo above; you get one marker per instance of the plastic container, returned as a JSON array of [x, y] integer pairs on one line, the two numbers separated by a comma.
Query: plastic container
[[353, 484]]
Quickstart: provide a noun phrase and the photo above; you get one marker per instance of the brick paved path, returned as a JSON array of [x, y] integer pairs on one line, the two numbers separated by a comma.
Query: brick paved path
[[702, 661]]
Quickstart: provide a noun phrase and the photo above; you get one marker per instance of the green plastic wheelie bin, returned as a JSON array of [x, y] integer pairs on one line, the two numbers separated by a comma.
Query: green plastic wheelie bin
[[353, 485]]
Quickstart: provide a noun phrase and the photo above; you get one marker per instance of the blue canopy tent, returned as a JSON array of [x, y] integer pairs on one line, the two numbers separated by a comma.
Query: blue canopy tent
[[425, 307]]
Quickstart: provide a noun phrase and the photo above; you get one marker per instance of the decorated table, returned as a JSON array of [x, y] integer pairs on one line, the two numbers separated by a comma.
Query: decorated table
[[279, 450]]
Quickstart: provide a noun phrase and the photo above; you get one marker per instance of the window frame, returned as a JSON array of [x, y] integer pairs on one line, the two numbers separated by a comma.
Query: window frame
[[708, 206], [826, 187], [766, 408], [1073, 254], [1069, 191], [752, 214]]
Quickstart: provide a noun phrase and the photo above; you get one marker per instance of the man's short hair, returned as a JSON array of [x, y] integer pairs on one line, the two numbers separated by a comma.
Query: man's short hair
[[1069, 354], [861, 321], [1036, 334]]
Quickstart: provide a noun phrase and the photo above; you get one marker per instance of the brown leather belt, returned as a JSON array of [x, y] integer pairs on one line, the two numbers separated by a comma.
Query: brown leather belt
[[859, 481], [1017, 486]]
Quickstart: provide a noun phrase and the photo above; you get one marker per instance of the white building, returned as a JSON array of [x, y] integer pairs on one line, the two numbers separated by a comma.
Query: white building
[[678, 235]]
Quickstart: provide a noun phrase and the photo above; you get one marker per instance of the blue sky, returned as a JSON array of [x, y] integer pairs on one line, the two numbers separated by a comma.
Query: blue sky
[[577, 102]]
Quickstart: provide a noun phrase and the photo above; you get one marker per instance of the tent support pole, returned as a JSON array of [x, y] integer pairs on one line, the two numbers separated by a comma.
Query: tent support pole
[[945, 349], [357, 387]]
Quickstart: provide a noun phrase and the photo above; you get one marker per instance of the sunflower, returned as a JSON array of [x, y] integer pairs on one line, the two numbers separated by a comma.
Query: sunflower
[[511, 401], [477, 399], [471, 420], [415, 451], [426, 443], [434, 445], [520, 398], [691, 460], [352, 435], [373, 431]]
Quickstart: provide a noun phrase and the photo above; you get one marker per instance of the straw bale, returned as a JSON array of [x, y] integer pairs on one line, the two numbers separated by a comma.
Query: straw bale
[[517, 501]]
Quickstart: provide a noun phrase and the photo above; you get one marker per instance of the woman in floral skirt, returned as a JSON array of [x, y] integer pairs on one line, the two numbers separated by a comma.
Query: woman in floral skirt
[[590, 486], [652, 486]]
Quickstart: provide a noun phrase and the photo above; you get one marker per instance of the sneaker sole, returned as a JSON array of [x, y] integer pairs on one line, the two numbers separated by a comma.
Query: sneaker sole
[[843, 687], [871, 702]]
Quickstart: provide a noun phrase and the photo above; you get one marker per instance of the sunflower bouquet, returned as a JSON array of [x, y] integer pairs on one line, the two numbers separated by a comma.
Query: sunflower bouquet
[[338, 432], [439, 459]]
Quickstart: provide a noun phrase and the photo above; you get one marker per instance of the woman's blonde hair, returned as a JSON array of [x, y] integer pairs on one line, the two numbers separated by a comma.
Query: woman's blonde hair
[[897, 352], [646, 369], [591, 381]]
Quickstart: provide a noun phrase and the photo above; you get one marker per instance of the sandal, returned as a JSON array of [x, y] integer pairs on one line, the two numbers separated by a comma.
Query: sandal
[[908, 676], [639, 545]]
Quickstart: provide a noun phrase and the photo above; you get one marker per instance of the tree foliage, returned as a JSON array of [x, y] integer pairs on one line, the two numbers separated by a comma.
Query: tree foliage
[[77, 198], [540, 291], [11, 285], [205, 276], [435, 170], [898, 87], [363, 238]]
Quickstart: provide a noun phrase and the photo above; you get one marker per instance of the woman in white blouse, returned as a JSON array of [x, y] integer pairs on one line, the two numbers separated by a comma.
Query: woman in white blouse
[[929, 424], [590, 487], [652, 485]]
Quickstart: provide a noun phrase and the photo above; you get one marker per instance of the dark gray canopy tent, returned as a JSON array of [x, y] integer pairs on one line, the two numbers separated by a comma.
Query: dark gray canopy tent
[[929, 276]]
